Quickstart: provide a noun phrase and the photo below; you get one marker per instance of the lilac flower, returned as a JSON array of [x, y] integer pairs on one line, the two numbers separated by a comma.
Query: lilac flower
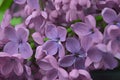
[[77, 58], [113, 4], [18, 42], [10, 63], [79, 75], [75, 11], [73, 14], [114, 42], [58, 58], [53, 15], [88, 29], [2, 38], [39, 54], [32, 3], [27, 74], [38, 38], [5, 23], [50, 65], [18, 11], [56, 36], [58, 3], [81, 3], [100, 58], [6, 19], [12, 76], [110, 16], [85, 3], [37, 20]]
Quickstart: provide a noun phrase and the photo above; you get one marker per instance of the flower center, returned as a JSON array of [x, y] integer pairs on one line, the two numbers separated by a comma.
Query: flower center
[[77, 55], [92, 31], [58, 39], [20, 41], [118, 24], [118, 38], [12, 60]]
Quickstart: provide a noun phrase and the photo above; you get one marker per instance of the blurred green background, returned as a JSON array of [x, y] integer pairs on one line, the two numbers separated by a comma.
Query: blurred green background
[[4, 5]]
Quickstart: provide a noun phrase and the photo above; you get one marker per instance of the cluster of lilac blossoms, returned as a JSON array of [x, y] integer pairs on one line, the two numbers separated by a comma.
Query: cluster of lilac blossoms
[[59, 39]]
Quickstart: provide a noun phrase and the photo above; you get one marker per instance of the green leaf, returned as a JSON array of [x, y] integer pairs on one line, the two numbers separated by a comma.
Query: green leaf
[[99, 18], [16, 20], [45, 39], [1, 16], [70, 32], [4, 5], [75, 21], [42, 5], [32, 45], [1, 1]]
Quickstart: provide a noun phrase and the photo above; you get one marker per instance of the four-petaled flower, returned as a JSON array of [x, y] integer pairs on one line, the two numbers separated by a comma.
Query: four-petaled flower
[[18, 42]]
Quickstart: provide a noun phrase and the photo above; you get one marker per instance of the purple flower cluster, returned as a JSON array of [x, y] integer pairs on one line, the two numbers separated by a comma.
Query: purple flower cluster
[[59, 39]]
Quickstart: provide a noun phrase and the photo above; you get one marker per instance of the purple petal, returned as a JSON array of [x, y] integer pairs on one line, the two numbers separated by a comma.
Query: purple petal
[[65, 1], [52, 74], [25, 50], [32, 18], [37, 38], [18, 69], [114, 46], [51, 31], [102, 47], [88, 62], [71, 15], [2, 35], [114, 33], [6, 19], [10, 33], [73, 45], [86, 42], [39, 53], [97, 36], [109, 15], [11, 48], [28, 70], [94, 54], [7, 68], [20, 1], [67, 61], [52, 60], [62, 33], [63, 72], [80, 29], [45, 65], [85, 3], [61, 51], [4, 54], [53, 15], [109, 61], [90, 20], [74, 73], [61, 77], [34, 4], [22, 34], [39, 23], [85, 74], [80, 63], [50, 47]]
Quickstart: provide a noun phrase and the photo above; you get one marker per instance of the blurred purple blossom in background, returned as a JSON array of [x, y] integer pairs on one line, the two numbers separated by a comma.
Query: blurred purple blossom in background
[[59, 39]]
